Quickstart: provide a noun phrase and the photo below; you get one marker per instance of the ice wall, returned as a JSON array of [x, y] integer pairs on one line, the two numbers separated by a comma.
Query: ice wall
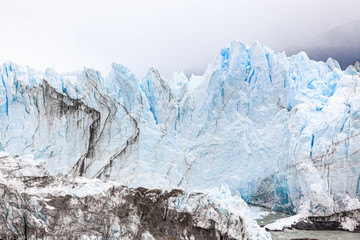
[[280, 131]]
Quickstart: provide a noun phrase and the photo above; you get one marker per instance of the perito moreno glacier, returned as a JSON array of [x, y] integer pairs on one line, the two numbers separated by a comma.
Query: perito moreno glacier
[[281, 132]]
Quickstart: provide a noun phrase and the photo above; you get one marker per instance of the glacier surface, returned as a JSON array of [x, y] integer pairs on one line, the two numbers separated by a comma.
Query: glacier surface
[[282, 132]]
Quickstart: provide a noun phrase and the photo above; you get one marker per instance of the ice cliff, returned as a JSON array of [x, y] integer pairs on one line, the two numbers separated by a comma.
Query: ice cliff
[[282, 132]]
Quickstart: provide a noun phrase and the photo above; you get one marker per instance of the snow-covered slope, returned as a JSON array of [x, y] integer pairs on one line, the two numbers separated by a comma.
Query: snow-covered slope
[[281, 131]]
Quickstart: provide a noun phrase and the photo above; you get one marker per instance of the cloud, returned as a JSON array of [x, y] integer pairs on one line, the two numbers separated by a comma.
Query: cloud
[[168, 35], [341, 43]]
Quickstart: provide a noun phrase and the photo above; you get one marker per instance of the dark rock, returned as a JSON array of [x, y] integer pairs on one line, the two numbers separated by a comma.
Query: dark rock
[[332, 222]]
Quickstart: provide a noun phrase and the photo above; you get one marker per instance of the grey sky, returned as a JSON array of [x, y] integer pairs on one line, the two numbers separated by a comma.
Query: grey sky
[[168, 35]]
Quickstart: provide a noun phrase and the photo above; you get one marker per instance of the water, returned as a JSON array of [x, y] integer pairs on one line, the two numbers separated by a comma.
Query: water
[[265, 216], [320, 235]]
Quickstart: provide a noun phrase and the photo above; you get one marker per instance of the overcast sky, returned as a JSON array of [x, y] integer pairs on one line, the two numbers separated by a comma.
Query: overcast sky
[[169, 35]]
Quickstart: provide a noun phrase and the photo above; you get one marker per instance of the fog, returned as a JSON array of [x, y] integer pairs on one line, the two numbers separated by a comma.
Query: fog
[[170, 35]]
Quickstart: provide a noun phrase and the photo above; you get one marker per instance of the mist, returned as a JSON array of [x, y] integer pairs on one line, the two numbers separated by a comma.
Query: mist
[[171, 36]]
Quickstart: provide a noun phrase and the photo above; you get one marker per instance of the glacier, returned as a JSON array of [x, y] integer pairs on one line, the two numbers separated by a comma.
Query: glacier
[[282, 132], [36, 205]]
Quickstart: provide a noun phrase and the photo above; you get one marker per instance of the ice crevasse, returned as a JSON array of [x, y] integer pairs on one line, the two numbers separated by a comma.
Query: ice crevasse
[[279, 131]]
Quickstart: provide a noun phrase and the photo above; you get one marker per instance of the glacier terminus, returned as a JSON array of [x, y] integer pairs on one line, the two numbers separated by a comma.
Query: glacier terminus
[[279, 132]]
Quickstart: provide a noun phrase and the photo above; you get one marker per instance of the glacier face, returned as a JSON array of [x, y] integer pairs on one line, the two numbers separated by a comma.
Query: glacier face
[[281, 131]]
